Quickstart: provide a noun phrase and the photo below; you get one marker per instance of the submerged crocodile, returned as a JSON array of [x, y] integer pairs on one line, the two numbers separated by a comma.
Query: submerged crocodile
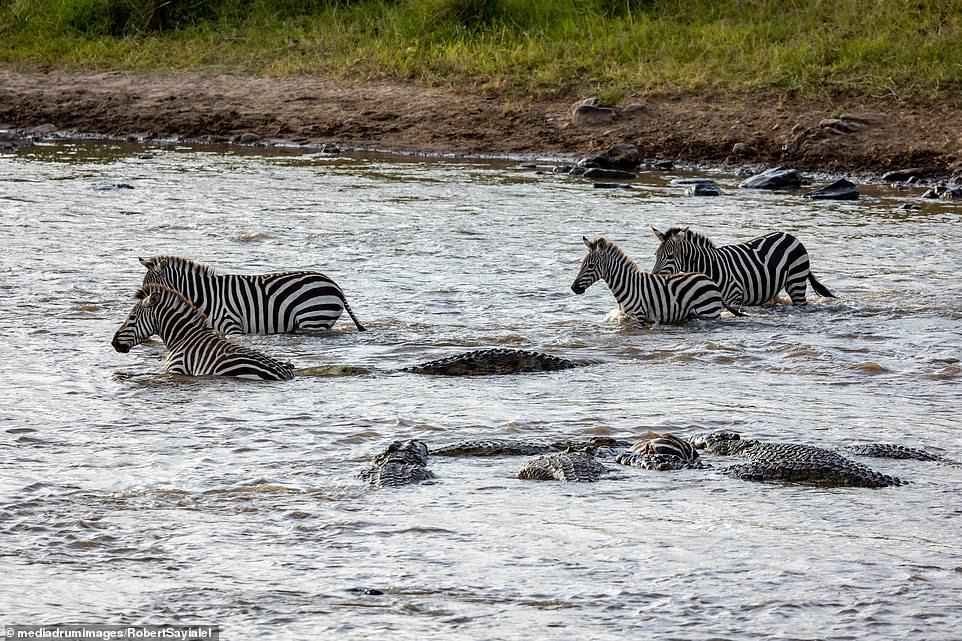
[[791, 462], [401, 463], [483, 362]]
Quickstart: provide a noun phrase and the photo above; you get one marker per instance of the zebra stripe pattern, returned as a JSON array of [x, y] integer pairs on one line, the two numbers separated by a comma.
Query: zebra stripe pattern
[[656, 298], [274, 303], [667, 445], [193, 348], [749, 273]]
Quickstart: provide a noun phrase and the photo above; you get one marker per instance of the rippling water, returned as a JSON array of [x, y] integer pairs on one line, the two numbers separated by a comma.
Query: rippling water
[[133, 496]]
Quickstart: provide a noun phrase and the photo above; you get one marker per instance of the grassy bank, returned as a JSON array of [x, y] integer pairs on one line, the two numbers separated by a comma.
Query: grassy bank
[[613, 47]]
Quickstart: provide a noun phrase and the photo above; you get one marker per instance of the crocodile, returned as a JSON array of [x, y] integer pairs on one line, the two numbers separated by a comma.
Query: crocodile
[[401, 463], [791, 462], [515, 447], [484, 362]]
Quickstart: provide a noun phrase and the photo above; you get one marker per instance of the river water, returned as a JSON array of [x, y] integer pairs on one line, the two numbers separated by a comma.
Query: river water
[[130, 496]]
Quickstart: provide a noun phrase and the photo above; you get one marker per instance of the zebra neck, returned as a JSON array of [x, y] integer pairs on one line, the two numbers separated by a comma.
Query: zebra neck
[[177, 324], [203, 289], [626, 282]]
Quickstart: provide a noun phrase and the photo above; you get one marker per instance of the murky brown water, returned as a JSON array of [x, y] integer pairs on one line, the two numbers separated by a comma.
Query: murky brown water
[[128, 495]]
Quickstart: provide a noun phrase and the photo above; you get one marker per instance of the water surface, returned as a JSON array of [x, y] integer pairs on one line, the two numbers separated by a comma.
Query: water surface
[[128, 495]]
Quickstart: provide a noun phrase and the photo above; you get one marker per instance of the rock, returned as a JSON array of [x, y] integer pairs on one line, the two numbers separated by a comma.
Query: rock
[[599, 172], [112, 186], [839, 190], [247, 139], [902, 175], [42, 130], [690, 181], [10, 141], [908, 207], [587, 113], [775, 178], [842, 124], [577, 170], [743, 149], [663, 165], [562, 169], [944, 192], [612, 186], [706, 188], [931, 194], [621, 156], [634, 109], [328, 148]]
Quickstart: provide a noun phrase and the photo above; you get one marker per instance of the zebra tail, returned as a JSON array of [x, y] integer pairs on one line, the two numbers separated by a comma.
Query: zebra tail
[[733, 310], [819, 288], [350, 313]]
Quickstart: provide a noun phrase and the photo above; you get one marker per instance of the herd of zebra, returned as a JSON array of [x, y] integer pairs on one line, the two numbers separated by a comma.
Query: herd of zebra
[[191, 307]]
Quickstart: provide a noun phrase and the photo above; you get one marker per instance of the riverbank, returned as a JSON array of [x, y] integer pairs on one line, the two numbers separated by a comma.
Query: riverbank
[[831, 133]]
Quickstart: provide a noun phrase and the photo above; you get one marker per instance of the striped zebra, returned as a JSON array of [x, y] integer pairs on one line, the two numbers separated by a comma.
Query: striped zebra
[[273, 303], [193, 348], [647, 297], [750, 273]]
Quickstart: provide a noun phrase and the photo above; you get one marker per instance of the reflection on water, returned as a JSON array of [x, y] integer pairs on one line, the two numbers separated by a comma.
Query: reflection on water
[[129, 494]]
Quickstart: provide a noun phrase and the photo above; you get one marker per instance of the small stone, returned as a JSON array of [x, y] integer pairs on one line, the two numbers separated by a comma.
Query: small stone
[[621, 156], [588, 113], [599, 172], [706, 188], [743, 149], [839, 124], [908, 207], [612, 186], [931, 194], [247, 139], [40, 130]]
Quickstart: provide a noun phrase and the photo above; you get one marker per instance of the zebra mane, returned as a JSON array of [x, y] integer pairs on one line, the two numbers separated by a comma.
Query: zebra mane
[[604, 243], [147, 290], [185, 264], [696, 238]]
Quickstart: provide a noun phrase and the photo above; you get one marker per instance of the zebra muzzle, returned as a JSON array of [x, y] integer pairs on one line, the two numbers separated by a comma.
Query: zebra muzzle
[[123, 348], [576, 288]]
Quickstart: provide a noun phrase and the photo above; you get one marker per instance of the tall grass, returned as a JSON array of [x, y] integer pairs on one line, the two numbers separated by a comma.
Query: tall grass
[[611, 46]]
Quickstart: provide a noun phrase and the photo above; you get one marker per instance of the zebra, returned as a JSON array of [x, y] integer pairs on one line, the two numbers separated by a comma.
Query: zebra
[[274, 303], [656, 298], [193, 348], [750, 273]]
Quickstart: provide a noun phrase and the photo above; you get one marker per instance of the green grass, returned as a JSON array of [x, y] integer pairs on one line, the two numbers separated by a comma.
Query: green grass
[[613, 47]]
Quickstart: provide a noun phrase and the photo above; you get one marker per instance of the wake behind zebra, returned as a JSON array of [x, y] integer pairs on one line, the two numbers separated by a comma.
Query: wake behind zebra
[[648, 297], [749, 273], [193, 348], [272, 303]]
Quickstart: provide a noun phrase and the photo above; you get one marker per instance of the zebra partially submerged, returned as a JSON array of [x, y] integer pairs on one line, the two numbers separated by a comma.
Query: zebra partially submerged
[[648, 297], [749, 273], [274, 303], [193, 348]]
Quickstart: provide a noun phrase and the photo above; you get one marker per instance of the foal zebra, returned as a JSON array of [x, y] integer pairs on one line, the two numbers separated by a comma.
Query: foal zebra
[[657, 298], [193, 348], [750, 273], [273, 303]]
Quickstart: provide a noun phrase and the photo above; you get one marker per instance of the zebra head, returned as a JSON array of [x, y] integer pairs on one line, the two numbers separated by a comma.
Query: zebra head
[[670, 257], [594, 267], [156, 270], [141, 323]]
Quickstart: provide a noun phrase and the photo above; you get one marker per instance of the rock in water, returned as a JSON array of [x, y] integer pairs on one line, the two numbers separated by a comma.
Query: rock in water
[[775, 178], [839, 190], [706, 188]]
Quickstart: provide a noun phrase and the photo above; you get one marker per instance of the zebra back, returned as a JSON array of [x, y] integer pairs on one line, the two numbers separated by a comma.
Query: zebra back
[[193, 348], [272, 303], [659, 298]]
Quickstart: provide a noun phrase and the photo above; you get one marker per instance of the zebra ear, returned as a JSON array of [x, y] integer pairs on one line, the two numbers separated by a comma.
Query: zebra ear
[[586, 241], [660, 236], [153, 264]]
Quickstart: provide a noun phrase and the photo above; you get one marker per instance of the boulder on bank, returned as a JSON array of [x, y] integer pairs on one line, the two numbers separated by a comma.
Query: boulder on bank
[[587, 112], [904, 175], [599, 172], [839, 190], [12, 141], [775, 178]]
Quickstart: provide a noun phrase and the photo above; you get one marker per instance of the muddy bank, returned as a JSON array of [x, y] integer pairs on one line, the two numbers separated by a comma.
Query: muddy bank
[[866, 134]]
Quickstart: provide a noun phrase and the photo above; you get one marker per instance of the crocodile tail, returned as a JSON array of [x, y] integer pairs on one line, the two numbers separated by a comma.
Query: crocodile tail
[[819, 288]]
